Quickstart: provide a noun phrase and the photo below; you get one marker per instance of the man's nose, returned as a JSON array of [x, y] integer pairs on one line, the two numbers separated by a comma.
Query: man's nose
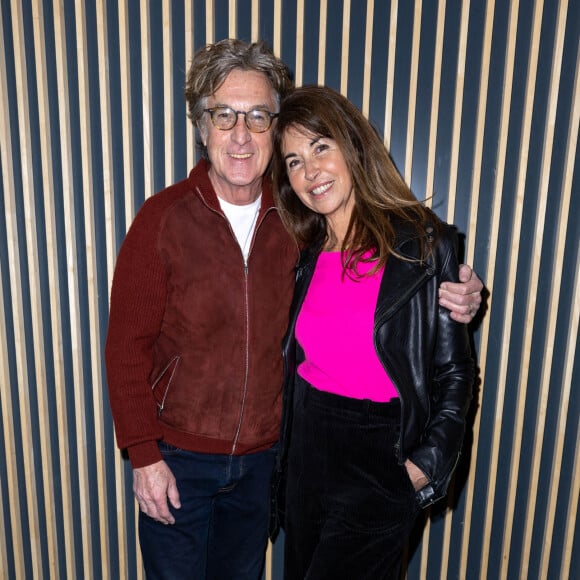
[[240, 132]]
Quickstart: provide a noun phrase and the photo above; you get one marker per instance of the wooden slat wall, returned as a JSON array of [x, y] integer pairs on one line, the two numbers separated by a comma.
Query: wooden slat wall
[[479, 103]]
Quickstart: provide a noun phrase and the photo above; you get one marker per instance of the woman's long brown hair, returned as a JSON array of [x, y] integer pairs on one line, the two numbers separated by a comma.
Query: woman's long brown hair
[[381, 194]]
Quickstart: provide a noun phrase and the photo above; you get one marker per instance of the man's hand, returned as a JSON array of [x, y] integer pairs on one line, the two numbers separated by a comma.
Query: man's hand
[[462, 298], [152, 485]]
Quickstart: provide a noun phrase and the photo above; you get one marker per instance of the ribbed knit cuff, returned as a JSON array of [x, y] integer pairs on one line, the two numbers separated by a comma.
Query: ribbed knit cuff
[[144, 454]]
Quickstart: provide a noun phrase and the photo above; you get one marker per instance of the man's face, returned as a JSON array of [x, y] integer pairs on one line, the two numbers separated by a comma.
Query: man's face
[[238, 157]]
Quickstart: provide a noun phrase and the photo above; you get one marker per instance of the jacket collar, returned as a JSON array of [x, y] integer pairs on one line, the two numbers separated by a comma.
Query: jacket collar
[[201, 184], [405, 276]]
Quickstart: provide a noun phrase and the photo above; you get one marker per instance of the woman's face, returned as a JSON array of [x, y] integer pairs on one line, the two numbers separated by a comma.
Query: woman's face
[[319, 175]]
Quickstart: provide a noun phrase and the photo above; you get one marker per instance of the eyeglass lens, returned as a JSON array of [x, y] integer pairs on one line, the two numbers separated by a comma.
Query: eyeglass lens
[[257, 120]]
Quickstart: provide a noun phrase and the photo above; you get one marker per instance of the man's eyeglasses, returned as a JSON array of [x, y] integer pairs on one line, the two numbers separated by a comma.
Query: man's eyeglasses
[[225, 118]]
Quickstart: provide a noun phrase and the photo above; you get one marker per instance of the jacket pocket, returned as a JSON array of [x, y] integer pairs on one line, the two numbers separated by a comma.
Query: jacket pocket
[[162, 383]]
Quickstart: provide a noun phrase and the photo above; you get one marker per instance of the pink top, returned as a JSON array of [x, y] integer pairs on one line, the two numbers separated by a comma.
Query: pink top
[[335, 329]]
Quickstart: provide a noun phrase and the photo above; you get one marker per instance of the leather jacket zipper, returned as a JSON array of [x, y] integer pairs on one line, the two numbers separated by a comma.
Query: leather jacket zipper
[[395, 381], [384, 316]]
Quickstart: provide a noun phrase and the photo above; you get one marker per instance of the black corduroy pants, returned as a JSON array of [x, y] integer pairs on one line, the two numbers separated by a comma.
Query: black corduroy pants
[[350, 506]]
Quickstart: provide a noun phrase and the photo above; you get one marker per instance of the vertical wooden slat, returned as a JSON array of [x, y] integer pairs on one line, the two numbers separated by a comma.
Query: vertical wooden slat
[[345, 47], [168, 112], [189, 51], [80, 401], [412, 108], [366, 81], [233, 18], [18, 306], [322, 41], [14, 502], [278, 27], [458, 110], [64, 139], [147, 98], [390, 88], [435, 99], [255, 20], [109, 225], [126, 112], [209, 21], [128, 190], [268, 565], [299, 43]]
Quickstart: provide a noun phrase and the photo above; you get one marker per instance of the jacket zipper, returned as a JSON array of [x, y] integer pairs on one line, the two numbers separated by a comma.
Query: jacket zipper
[[247, 329], [383, 318], [246, 354], [246, 308], [395, 381]]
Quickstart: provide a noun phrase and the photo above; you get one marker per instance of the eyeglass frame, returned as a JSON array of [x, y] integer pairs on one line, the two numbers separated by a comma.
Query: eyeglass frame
[[212, 110]]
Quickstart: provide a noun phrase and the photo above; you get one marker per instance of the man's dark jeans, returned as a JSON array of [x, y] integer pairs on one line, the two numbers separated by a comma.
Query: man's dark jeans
[[221, 528]]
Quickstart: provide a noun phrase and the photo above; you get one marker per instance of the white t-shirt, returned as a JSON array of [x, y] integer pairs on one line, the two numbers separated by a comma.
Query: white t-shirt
[[243, 220]]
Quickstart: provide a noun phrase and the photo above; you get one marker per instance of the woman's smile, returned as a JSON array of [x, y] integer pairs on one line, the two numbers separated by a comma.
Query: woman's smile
[[319, 175]]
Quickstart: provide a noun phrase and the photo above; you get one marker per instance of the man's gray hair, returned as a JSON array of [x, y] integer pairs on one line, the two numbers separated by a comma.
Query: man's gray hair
[[214, 62]]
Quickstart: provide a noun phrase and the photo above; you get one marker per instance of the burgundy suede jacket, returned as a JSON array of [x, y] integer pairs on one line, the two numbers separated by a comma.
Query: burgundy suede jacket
[[193, 351]]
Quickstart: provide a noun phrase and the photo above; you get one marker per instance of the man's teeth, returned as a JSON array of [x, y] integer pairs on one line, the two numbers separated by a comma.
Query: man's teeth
[[321, 189], [241, 155]]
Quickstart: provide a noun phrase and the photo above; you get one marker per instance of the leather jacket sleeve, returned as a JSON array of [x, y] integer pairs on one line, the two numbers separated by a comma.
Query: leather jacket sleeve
[[428, 356]]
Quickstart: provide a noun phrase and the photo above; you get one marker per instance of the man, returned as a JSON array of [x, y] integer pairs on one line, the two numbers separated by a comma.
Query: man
[[199, 305]]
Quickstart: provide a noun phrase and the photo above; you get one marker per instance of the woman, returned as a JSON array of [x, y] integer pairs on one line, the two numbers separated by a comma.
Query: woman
[[377, 376]]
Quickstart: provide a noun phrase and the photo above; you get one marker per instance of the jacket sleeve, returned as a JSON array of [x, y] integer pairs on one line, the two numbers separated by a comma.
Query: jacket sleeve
[[137, 305], [450, 390]]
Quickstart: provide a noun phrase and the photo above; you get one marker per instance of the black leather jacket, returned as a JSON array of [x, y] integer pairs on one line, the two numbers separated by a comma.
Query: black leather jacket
[[425, 353]]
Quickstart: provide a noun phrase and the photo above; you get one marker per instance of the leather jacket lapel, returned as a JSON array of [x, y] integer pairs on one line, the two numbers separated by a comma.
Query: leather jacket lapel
[[402, 279]]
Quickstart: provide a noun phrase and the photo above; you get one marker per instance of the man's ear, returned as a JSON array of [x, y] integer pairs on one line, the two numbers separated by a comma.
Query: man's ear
[[202, 128]]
